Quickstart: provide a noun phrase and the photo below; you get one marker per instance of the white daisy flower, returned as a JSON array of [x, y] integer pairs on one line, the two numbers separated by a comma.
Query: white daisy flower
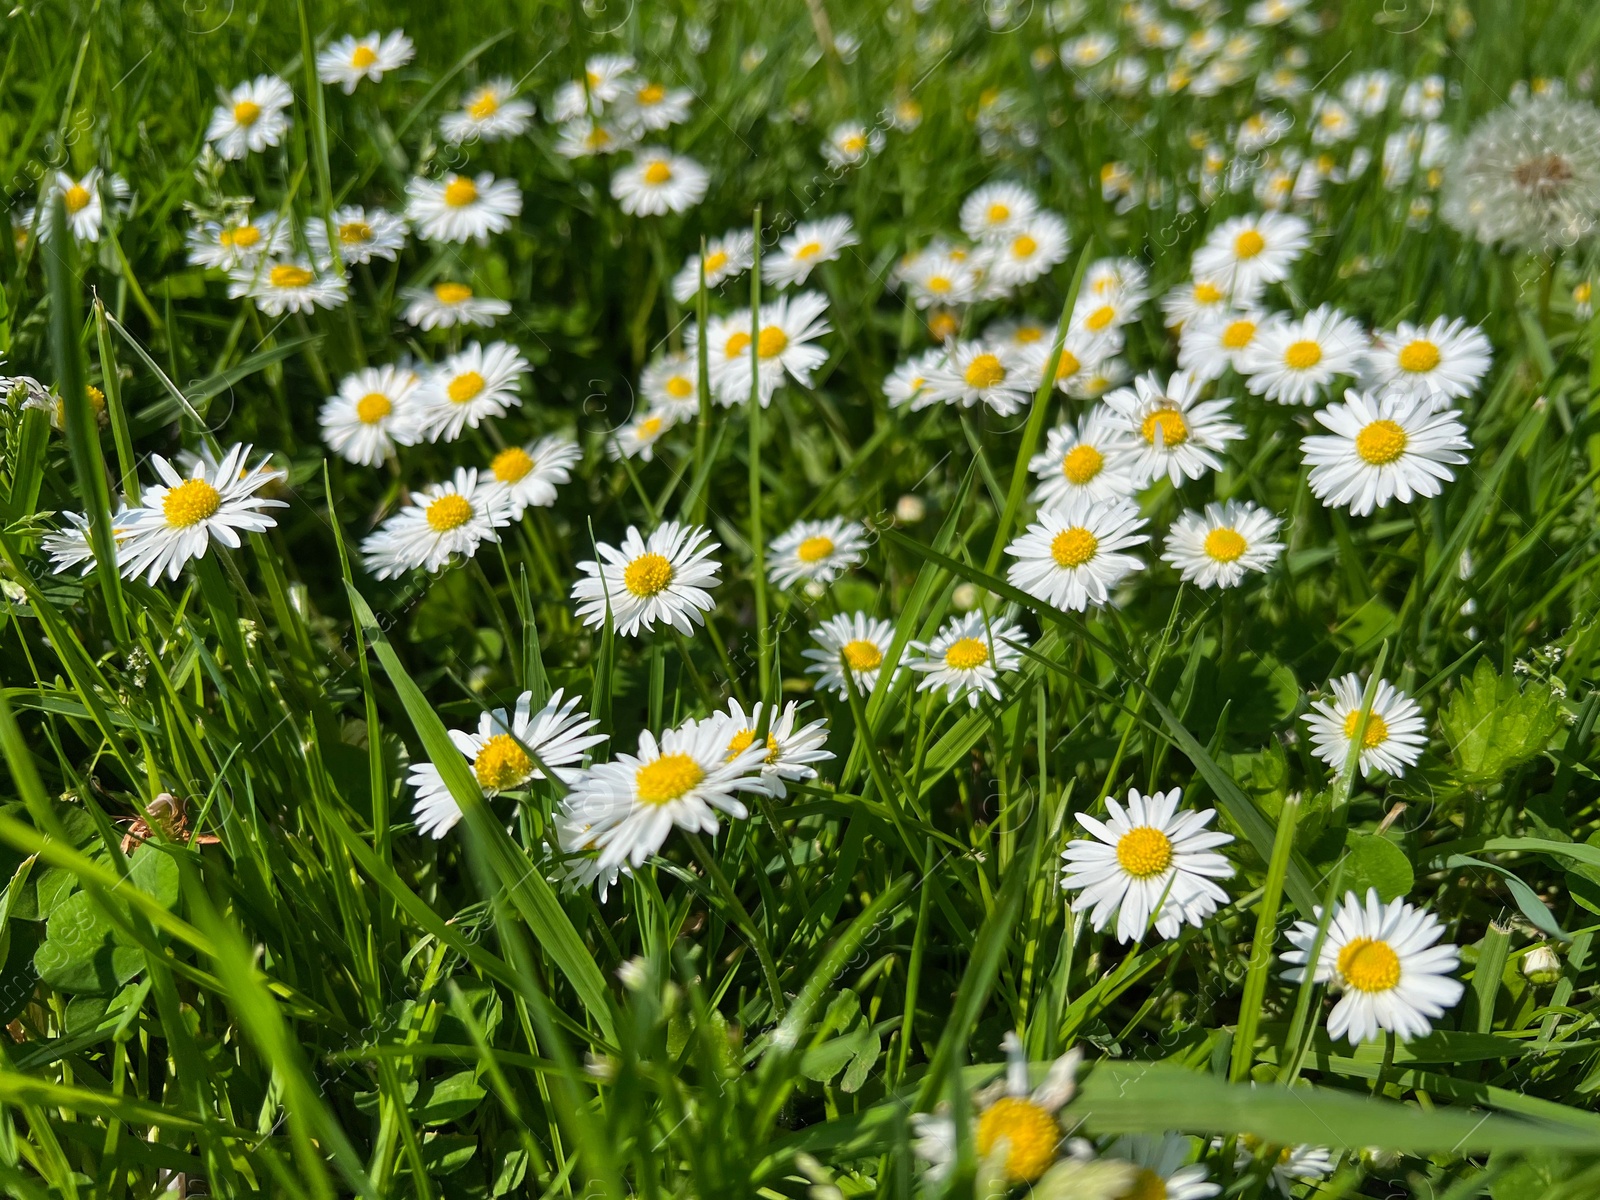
[[461, 208], [1164, 1167], [806, 246], [671, 383], [251, 117], [1123, 277], [851, 144], [684, 779], [851, 642], [976, 373], [1215, 548], [364, 234], [1101, 318], [1291, 1164], [637, 438], [1381, 448], [442, 520], [239, 241], [1295, 361], [586, 137], [490, 113], [1444, 360], [784, 348], [1171, 433], [467, 389], [657, 182], [351, 59], [1080, 352], [73, 548], [608, 77], [1198, 300], [1395, 736], [1249, 252], [1020, 333], [815, 551], [83, 200], [371, 415], [789, 751], [288, 286], [1094, 382], [942, 277], [1072, 554], [528, 474], [1087, 50], [660, 579], [908, 382], [652, 107], [1148, 864], [1385, 959], [1331, 122], [995, 210], [450, 303], [179, 517], [1090, 460], [503, 751], [967, 656], [1210, 346], [727, 257], [1034, 246], [578, 866]]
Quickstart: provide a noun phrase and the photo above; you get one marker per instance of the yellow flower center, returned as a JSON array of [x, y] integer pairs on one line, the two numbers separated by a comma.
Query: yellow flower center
[[1419, 356], [814, 549], [1031, 1135], [1067, 365], [651, 93], [1082, 463], [286, 275], [862, 655], [452, 293], [855, 143], [1302, 356], [1144, 851], [668, 778], [772, 342], [464, 387], [658, 172], [1248, 244], [373, 407], [1073, 547], [648, 428], [1381, 442], [1225, 545], [1369, 965], [1377, 729], [736, 345], [984, 372], [966, 654], [483, 106], [511, 464], [998, 213], [354, 233], [191, 502], [743, 740], [679, 387], [1024, 246], [1029, 334], [97, 398], [76, 198], [1169, 423], [1100, 318], [363, 56], [716, 260], [1238, 334], [460, 192], [647, 575], [1207, 293], [1147, 1185], [809, 251], [246, 112], [939, 283], [241, 238], [450, 511], [597, 137], [1582, 292], [942, 326], [501, 764]]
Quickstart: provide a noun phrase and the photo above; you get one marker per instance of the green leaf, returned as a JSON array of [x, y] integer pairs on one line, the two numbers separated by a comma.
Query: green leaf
[[1376, 862], [449, 1099], [80, 954], [1493, 725]]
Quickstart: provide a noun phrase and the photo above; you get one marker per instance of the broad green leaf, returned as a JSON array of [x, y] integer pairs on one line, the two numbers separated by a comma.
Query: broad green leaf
[[1493, 724], [1376, 862]]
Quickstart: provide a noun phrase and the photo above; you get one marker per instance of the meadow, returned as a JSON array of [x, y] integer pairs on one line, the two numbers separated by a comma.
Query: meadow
[[698, 598]]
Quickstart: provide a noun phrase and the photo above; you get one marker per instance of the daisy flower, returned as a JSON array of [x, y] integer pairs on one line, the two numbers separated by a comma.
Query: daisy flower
[[1198, 300], [1249, 252], [657, 182], [995, 210], [450, 303], [1071, 556], [239, 241], [727, 257], [790, 751], [1170, 432], [1122, 277], [467, 389], [586, 137], [942, 277], [653, 107], [503, 751], [1211, 345], [852, 642], [977, 373], [371, 415], [364, 234], [1148, 864], [1080, 352], [442, 520], [967, 656], [179, 517], [908, 382], [851, 144], [659, 579], [288, 286], [1291, 1164], [784, 348], [83, 200], [637, 439], [1294, 361], [815, 551], [671, 383], [1385, 960], [1090, 459], [528, 475], [460, 208], [1094, 382], [490, 113], [351, 59], [1215, 548], [1101, 318], [251, 117], [1164, 1167], [1444, 360], [683, 779], [1380, 448], [806, 246], [1395, 736], [1033, 247], [73, 547]]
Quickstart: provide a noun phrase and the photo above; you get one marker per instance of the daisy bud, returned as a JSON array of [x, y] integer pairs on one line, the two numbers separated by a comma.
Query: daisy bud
[[1541, 966]]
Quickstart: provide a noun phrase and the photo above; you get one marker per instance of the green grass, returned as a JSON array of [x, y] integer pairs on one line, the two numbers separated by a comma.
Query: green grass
[[306, 998]]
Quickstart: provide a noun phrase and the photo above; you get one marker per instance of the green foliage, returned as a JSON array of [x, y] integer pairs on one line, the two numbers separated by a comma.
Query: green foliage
[[1494, 724]]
